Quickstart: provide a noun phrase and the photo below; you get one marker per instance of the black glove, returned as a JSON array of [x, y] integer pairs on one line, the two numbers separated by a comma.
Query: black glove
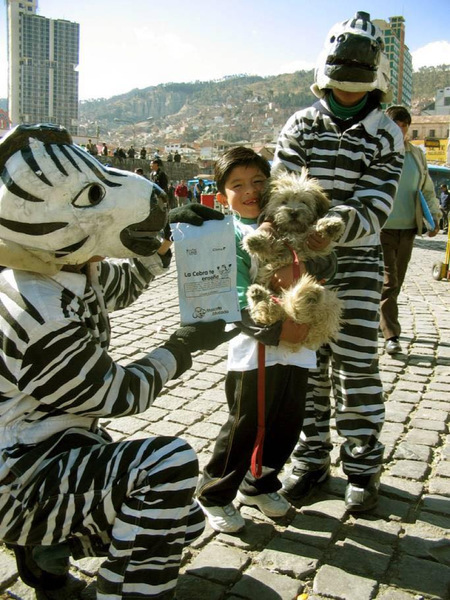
[[203, 336], [167, 232], [194, 214]]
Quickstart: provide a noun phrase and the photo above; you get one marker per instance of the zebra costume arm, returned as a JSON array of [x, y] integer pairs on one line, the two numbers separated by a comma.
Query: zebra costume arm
[[56, 370], [124, 280], [68, 377], [359, 168]]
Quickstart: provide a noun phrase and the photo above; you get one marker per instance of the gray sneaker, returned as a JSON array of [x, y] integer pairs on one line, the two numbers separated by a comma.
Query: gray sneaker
[[272, 504], [225, 519]]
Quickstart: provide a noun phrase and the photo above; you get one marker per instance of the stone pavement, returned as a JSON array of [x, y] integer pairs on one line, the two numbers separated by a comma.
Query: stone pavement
[[401, 551]]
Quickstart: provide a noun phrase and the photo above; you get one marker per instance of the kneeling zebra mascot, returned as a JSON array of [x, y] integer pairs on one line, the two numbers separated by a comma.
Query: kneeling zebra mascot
[[66, 489]]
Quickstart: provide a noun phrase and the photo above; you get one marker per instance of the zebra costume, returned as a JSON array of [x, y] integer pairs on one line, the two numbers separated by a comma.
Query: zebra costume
[[62, 479], [358, 163]]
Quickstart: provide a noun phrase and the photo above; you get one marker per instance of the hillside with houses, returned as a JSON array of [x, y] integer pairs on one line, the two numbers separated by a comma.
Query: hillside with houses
[[200, 117]]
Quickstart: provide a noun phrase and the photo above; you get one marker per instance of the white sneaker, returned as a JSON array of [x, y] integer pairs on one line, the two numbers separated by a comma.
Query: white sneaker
[[224, 518], [272, 505]]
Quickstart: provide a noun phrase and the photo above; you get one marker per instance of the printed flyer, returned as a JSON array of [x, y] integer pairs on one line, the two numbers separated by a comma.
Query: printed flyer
[[206, 267]]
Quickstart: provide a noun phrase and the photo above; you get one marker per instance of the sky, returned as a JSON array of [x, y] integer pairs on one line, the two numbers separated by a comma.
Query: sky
[[142, 43]]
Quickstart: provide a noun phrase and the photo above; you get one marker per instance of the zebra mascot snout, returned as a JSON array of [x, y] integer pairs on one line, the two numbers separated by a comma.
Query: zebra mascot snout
[[59, 205]]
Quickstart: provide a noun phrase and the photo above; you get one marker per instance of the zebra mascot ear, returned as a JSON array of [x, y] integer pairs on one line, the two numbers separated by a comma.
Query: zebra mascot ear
[[59, 205]]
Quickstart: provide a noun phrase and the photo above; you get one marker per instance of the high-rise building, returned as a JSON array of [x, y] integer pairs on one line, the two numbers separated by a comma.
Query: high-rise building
[[399, 57], [42, 67]]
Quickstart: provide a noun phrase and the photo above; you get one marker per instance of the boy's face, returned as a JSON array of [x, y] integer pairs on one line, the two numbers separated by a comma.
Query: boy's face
[[243, 191]]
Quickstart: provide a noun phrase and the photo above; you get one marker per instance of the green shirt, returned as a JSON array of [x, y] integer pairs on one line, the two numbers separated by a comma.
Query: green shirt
[[245, 268]]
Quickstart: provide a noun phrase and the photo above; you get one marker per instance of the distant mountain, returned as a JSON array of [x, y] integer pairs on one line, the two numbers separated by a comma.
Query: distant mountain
[[426, 81], [236, 108]]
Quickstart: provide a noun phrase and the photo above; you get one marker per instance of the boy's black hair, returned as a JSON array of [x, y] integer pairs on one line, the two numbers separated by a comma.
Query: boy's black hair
[[399, 113], [158, 161], [237, 157]]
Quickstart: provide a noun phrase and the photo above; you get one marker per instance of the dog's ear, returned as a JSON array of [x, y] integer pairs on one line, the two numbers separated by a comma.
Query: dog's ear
[[313, 185], [264, 199], [304, 175], [322, 201]]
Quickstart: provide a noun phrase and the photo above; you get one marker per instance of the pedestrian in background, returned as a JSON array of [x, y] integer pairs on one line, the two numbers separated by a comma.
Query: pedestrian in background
[[403, 224], [181, 193], [444, 202], [158, 176], [198, 190]]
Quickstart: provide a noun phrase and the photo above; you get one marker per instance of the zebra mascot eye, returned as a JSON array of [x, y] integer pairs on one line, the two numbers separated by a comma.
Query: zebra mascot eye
[[91, 195], [47, 186]]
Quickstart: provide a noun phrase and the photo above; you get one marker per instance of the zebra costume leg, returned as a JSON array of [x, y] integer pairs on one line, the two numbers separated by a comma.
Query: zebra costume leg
[[137, 494], [354, 374]]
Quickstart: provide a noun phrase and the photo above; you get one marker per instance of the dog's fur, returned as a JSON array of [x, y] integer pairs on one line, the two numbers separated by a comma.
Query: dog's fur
[[295, 205]]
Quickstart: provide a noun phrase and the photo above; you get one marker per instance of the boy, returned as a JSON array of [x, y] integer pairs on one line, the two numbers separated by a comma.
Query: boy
[[240, 175]]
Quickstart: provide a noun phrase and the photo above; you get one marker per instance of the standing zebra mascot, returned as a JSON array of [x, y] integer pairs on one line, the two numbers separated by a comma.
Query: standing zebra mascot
[[66, 489]]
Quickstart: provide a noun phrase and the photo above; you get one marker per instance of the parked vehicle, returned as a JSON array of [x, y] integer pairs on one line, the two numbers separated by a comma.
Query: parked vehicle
[[439, 174]]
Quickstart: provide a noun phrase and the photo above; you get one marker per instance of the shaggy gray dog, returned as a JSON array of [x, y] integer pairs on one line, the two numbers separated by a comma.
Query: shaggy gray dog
[[296, 206]]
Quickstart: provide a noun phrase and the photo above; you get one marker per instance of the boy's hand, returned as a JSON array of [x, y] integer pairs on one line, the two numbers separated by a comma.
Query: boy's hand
[[294, 333], [194, 214], [268, 227], [283, 278], [317, 242]]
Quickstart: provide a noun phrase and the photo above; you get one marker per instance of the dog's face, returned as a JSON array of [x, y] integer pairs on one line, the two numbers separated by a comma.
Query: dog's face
[[293, 202]]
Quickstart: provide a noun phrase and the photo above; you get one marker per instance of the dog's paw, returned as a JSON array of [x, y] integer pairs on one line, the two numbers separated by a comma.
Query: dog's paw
[[263, 309], [257, 293], [311, 303], [259, 243], [330, 227]]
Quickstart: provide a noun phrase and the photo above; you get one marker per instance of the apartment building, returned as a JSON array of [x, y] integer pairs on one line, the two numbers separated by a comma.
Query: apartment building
[[399, 58], [42, 67]]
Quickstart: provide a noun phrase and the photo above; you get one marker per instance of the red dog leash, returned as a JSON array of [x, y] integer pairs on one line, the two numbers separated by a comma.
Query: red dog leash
[[257, 454]]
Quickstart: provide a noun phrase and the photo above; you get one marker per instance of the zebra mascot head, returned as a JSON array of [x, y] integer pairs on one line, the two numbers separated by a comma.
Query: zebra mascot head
[[353, 59], [60, 206]]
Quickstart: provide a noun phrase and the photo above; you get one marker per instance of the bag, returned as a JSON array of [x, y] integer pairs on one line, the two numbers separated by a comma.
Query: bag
[[206, 266]]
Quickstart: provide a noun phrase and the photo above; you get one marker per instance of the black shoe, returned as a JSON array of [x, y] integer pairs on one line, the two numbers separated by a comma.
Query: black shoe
[[361, 499], [32, 575], [393, 346], [300, 482]]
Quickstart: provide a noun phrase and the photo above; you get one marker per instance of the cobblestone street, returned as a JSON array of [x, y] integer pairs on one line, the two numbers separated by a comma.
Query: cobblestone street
[[401, 551]]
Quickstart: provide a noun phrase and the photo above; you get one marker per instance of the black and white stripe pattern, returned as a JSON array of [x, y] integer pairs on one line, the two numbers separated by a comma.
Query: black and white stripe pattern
[[66, 158], [359, 168], [61, 478], [130, 502]]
